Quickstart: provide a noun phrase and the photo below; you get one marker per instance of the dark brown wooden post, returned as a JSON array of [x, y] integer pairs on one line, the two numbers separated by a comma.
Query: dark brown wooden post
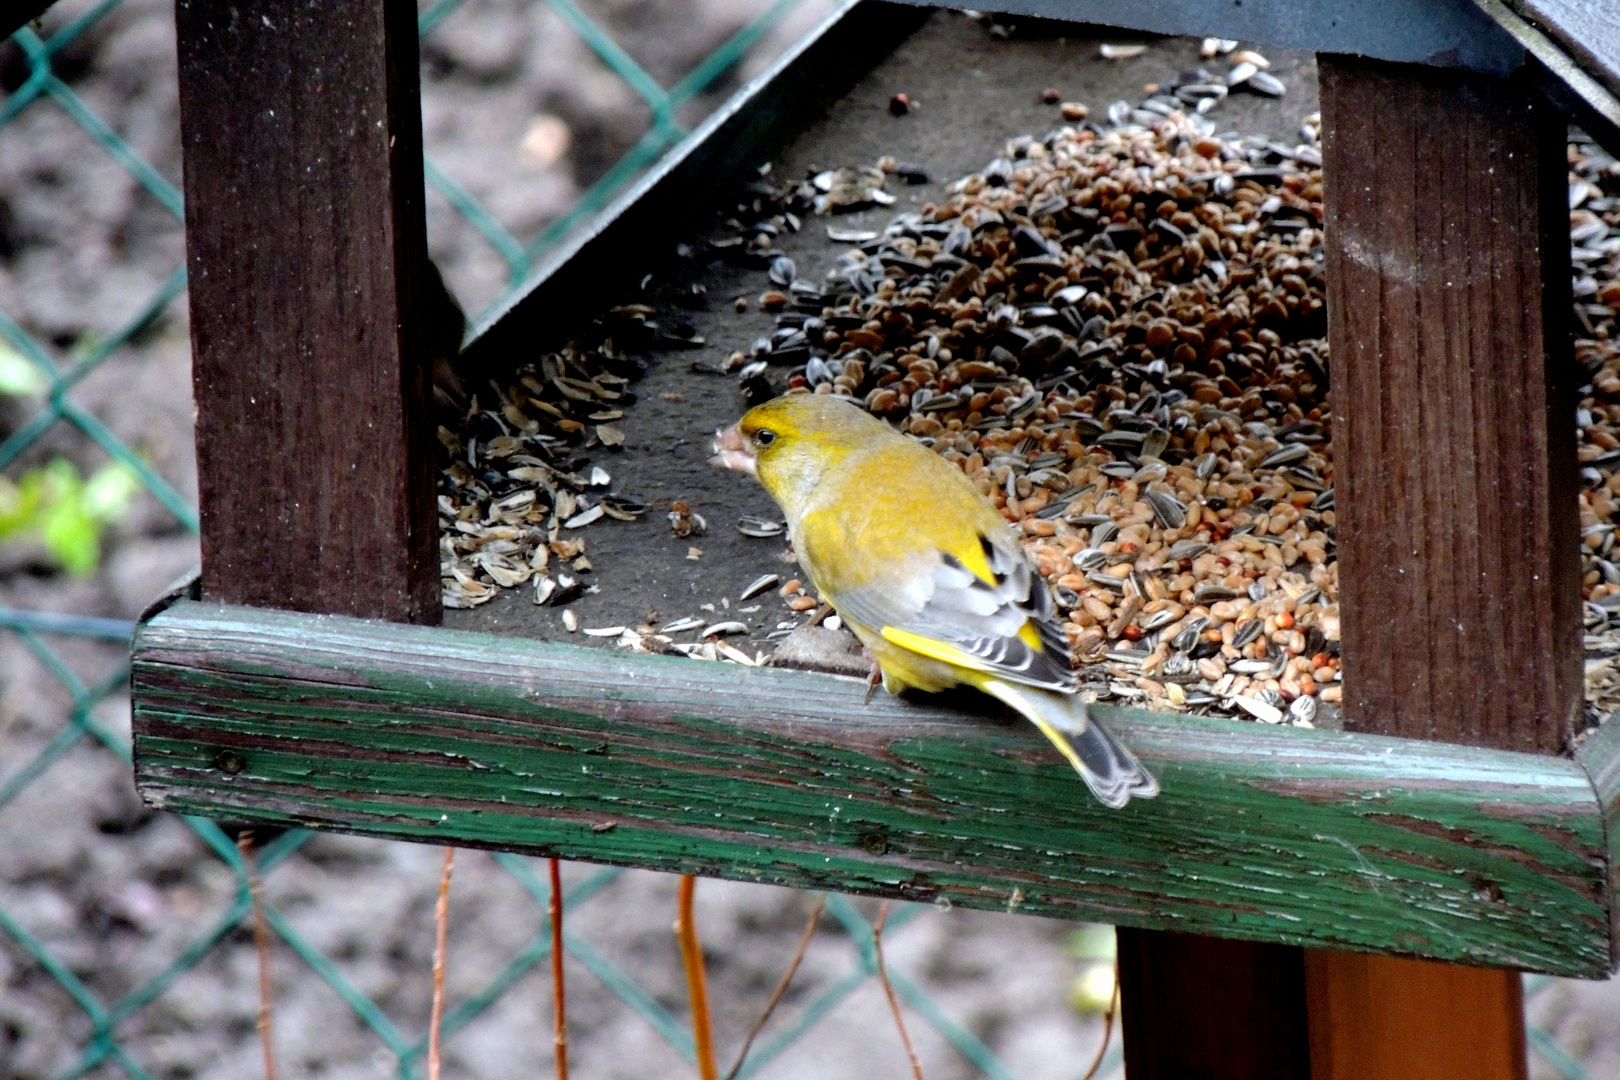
[[302, 134], [1454, 411], [1448, 279], [1203, 1008], [1448, 300]]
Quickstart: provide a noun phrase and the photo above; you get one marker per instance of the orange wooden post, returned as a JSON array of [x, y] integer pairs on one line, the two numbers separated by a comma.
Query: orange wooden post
[[1377, 1017]]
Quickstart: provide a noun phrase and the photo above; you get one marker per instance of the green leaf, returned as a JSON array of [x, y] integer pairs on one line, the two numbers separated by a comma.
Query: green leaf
[[1092, 942], [106, 496], [66, 512], [18, 376], [72, 536]]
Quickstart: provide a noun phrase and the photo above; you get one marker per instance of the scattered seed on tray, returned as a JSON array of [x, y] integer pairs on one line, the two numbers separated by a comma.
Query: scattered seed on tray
[[1117, 330]]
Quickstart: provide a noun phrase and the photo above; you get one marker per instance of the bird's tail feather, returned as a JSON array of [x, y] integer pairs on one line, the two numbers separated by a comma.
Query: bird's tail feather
[[1110, 770]]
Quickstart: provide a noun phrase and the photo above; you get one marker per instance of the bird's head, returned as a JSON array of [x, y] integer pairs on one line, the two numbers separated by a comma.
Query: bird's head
[[790, 442]]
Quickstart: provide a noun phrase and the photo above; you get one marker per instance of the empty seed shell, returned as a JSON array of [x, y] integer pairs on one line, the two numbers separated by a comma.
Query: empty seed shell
[[1260, 710], [584, 517], [750, 525], [690, 622], [759, 585]]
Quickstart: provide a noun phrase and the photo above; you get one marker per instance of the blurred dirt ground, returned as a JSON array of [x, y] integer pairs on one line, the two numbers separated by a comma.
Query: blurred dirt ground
[[520, 113]]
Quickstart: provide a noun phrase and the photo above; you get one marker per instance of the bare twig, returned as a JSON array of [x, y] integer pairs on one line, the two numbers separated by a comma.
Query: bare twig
[[1108, 1026], [781, 987], [441, 926], [696, 983], [559, 1000], [894, 1002], [261, 945]]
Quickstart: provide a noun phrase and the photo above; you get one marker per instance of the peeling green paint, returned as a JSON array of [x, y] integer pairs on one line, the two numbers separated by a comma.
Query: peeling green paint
[[1275, 834]]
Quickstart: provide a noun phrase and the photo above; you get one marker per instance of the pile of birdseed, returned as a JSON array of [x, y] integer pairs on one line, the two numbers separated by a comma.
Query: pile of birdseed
[[1594, 225], [1118, 332]]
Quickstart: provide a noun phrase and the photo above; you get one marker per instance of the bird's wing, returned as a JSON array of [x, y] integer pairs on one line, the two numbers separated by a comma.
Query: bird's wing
[[1000, 621]]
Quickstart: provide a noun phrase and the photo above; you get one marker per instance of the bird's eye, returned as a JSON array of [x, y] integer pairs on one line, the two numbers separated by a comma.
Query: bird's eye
[[765, 436]]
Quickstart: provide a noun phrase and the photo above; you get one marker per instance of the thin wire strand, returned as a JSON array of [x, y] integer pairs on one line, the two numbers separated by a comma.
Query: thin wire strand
[[261, 945], [696, 982], [441, 934], [1108, 1026], [888, 989], [781, 987], [559, 998]]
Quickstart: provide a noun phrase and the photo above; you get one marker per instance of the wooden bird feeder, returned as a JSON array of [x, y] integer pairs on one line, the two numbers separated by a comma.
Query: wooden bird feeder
[[1298, 903]]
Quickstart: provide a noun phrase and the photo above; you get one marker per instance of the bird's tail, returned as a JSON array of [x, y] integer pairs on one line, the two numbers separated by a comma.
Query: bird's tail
[[1110, 770]]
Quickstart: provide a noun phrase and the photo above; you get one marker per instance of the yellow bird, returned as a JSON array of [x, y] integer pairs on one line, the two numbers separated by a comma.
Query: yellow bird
[[924, 570]]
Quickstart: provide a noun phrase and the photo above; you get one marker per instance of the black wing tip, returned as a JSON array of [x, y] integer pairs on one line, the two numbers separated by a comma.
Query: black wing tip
[[1110, 770], [1116, 791]]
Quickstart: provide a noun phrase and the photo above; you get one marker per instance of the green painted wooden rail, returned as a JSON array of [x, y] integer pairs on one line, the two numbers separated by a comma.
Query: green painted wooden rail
[[1275, 834]]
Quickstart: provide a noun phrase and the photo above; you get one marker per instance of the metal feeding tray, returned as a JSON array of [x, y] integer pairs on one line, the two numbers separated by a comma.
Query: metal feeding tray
[[500, 730]]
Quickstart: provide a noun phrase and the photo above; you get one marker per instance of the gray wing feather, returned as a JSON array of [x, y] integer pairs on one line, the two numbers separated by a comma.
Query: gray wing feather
[[980, 618]]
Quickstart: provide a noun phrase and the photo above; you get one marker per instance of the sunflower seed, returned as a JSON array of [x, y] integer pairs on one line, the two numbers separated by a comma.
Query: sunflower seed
[[759, 585], [1168, 509], [1091, 559], [690, 622], [1187, 638], [1267, 84], [584, 517], [1260, 710], [1288, 453]]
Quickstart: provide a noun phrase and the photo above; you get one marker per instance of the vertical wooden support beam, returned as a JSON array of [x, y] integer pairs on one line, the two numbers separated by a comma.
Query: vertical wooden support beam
[[1454, 452], [1203, 1008], [1453, 405], [1384, 1017], [305, 236], [1448, 295]]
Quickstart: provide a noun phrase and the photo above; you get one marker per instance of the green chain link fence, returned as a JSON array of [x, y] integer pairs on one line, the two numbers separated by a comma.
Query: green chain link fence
[[42, 88]]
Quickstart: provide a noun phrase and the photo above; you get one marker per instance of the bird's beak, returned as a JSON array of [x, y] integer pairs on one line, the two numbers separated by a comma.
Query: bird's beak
[[731, 451]]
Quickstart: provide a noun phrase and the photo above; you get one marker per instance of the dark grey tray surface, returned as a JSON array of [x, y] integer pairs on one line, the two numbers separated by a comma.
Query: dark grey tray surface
[[973, 92]]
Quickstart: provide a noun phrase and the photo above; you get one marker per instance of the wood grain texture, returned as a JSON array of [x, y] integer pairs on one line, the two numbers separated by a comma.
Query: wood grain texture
[[1201, 1008], [1588, 30], [1391, 1018], [1273, 834], [1448, 294], [301, 131]]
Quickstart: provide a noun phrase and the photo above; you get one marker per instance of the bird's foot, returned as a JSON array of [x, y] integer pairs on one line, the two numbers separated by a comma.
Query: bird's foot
[[873, 677]]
